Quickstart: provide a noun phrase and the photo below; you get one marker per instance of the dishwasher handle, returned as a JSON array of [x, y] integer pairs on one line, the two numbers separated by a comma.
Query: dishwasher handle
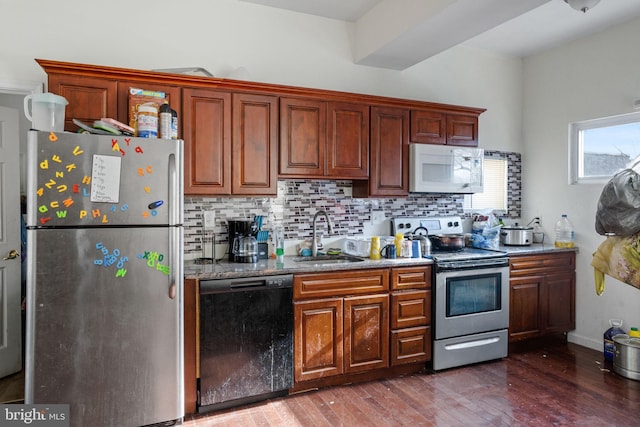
[[238, 284]]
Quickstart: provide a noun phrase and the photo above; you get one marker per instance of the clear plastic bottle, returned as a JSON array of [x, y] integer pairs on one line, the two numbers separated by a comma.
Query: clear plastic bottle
[[279, 237], [564, 233]]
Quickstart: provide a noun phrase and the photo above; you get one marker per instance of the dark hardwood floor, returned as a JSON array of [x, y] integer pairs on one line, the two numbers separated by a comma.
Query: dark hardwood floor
[[548, 383]]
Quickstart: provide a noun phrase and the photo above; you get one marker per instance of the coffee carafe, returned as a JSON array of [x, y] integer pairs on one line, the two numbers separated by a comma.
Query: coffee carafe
[[245, 249], [243, 246]]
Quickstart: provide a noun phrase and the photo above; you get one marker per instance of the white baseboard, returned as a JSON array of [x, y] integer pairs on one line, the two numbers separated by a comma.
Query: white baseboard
[[585, 341]]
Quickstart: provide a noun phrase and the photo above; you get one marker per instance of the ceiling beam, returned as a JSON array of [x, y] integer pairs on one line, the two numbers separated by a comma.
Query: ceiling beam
[[397, 34]]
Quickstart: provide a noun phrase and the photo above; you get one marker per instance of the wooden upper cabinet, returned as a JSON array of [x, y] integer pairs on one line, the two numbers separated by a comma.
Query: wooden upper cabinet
[[303, 137], [462, 130], [207, 141], [348, 142], [322, 134], [428, 127], [255, 136], [437, 127], [389, 156], [320, 139], [89, 98]]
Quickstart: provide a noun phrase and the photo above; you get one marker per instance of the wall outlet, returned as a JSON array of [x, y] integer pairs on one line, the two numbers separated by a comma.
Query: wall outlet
[[209, 220]]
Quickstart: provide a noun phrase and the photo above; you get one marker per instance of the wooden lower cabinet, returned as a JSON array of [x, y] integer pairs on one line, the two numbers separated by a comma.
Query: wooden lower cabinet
[[348, 326], [542, 295], [366, 333], [318, 349], [410, 315]]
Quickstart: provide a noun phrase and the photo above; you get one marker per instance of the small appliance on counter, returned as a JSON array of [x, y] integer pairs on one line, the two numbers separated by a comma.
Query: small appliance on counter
[[243, 245], [516, 236]]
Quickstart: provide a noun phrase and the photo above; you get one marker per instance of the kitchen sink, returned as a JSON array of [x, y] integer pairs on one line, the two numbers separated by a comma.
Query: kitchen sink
[[328, 259]]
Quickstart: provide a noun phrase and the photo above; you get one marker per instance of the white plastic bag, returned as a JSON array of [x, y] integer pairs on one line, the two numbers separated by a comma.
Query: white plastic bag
[[485, 231]]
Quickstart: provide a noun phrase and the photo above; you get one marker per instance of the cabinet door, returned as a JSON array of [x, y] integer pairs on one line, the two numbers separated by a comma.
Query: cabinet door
[[348, 142], [173, 95], [207, 141], [366, 333], [303, 137], [389, 162], [462, 130], [318, 339], [428, 127], [89, 98], [524, 307], [254, 139], [558, 302]]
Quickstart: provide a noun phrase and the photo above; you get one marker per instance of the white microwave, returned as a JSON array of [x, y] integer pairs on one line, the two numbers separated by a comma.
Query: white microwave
[[445, 169]]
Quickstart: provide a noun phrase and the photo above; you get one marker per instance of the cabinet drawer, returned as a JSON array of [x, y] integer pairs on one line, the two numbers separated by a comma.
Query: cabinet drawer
[[358, 282], [532, 264], [411, 345], [412, 308], [411, 278]]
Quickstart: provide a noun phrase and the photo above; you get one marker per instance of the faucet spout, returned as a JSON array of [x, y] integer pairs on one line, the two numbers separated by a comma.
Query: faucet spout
[[314, 243]]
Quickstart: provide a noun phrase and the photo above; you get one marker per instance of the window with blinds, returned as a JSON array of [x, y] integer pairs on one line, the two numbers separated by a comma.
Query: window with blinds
[[495, 187]]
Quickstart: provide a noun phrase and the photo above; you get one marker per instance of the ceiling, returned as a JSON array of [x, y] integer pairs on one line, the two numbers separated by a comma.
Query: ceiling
[[397, 34]]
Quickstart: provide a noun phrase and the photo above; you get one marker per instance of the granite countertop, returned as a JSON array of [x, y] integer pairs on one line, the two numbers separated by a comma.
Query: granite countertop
[[534, 248], [268, 267]]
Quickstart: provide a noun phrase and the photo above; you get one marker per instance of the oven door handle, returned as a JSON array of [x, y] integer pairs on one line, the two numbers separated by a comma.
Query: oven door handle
[[470, 344]]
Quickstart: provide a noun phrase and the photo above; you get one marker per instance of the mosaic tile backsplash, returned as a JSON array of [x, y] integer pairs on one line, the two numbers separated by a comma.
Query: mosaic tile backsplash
[[298, 200]]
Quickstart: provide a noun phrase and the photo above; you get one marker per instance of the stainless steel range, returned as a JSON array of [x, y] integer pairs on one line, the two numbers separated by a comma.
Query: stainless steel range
[[470, 297]]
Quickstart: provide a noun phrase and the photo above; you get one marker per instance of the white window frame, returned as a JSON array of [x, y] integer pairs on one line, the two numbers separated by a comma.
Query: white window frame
[[576, 153]]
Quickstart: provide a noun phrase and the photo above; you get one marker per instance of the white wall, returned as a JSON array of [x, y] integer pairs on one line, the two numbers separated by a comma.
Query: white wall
[[274, 46], [597, 76]]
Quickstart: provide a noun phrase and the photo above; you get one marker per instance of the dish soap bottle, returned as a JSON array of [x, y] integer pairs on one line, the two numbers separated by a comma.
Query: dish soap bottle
[[564, 233]]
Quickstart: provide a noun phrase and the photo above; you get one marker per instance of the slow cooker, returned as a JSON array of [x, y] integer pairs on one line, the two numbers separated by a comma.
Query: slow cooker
[[516, 236]]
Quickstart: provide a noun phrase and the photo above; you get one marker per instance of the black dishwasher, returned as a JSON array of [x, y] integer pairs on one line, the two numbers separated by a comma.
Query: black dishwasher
[[246, 340]]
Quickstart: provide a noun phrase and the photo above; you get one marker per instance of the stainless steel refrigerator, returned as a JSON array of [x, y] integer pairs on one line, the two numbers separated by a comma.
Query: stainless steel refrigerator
[[104, 277]]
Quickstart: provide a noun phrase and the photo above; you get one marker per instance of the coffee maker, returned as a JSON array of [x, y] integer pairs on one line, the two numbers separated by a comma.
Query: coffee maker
[[243, 246]]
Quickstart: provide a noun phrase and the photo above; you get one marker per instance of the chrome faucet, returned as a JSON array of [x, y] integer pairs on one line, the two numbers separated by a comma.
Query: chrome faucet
[[314, 242]]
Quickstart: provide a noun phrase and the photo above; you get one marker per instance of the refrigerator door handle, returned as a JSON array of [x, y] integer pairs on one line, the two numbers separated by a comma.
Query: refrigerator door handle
[[175, 256], [173, 218]]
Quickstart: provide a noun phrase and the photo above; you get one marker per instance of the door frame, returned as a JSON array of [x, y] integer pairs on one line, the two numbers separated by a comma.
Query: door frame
[[15, 87]]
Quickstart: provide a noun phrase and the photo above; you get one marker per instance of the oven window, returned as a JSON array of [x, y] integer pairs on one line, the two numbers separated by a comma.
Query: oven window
[[473, 294]]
